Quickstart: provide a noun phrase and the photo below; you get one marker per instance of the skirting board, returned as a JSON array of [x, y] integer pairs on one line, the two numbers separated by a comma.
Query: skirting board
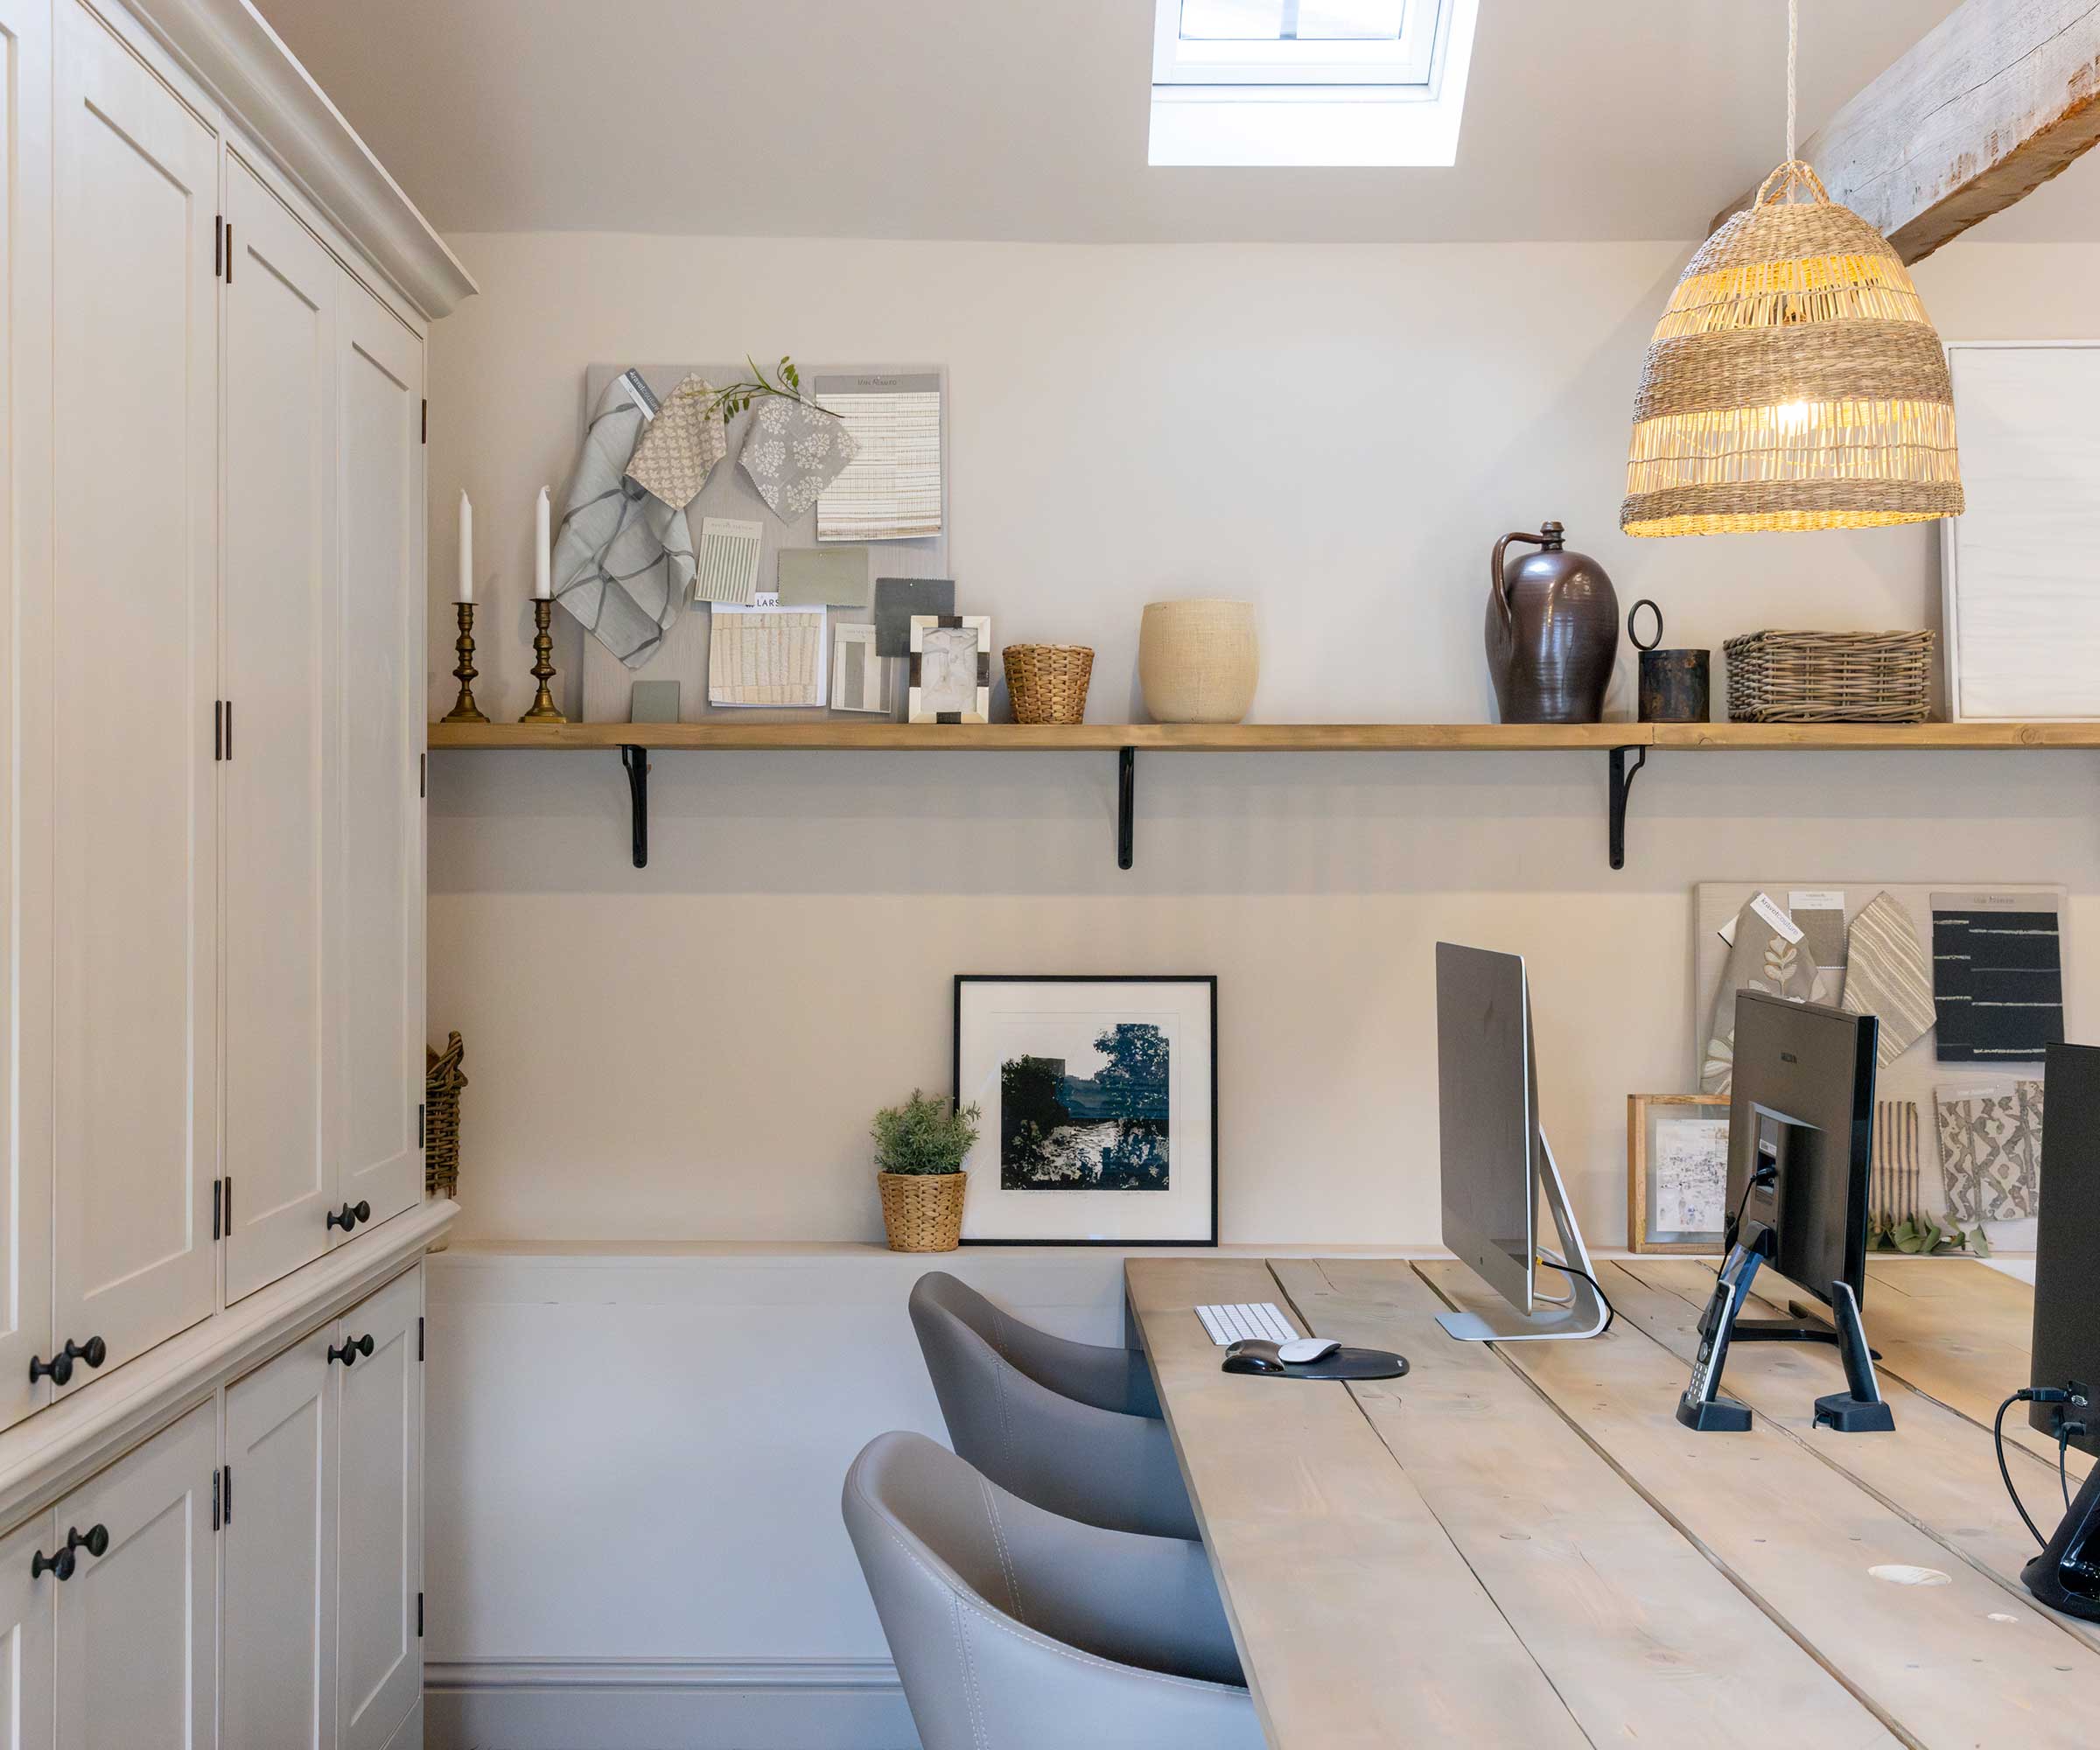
[[666, 1704]]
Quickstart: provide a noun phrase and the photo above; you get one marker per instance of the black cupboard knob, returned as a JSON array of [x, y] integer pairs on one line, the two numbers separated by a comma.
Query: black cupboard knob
[[95, 1354], [60, 1564], [352, 1348], [95, 1541], [58, 1368], [349, 1216]]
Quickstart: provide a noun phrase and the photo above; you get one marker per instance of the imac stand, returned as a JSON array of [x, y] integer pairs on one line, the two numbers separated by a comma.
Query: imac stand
[[1583, 1315]]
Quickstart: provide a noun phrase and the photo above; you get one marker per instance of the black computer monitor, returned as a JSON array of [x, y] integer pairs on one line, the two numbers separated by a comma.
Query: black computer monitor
[[1803, 1104], [2067, 1241]]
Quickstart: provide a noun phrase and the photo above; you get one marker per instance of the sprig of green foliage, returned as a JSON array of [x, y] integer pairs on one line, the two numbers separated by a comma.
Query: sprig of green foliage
[[729, 401]]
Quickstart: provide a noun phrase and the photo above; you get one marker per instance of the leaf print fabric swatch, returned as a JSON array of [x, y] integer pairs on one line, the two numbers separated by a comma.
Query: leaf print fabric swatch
[[793, 451], [1760, 958]]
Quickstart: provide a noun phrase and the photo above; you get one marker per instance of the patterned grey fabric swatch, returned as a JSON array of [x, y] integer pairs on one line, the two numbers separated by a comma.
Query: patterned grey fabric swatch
[[623, 560], [1998, 977], [1759, 959], [1886, 976], [1990, 1151]]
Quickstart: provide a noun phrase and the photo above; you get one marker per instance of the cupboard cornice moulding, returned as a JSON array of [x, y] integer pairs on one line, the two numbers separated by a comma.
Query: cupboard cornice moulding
[[57, 1449], [230, 48]]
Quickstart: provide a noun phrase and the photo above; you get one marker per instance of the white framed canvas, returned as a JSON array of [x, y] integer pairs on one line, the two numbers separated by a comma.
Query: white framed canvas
[[2021, 611], [950, 676], [1098, 1109]]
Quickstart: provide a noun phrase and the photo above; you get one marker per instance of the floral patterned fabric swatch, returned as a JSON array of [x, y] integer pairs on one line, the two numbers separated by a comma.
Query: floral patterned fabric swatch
[[793, 451], [1990, 1151], [682, 445], [1761, 958]]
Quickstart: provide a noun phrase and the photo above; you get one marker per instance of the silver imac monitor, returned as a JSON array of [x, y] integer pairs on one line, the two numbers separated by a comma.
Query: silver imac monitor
[[1495, 1161]]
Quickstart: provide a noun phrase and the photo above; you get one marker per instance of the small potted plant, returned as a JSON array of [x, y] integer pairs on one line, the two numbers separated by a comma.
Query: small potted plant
[[919, 1150]]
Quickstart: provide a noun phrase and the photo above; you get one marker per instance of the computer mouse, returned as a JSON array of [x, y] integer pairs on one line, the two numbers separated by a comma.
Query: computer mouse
[[1302, 1349], [1254, 1354]]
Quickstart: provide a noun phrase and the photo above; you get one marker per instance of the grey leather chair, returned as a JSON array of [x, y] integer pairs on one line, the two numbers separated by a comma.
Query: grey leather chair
[[1013, 1630], [1073, 1427]]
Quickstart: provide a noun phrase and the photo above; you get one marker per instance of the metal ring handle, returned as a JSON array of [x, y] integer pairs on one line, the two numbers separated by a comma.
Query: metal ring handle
[[1630, 632]]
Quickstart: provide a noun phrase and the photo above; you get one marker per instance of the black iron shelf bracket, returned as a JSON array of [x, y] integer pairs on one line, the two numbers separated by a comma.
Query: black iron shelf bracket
[[1126, 806], [636, 760], [1622, 780]]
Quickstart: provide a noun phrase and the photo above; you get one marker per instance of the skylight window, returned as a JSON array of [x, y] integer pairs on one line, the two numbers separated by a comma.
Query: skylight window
[[1310, 82]]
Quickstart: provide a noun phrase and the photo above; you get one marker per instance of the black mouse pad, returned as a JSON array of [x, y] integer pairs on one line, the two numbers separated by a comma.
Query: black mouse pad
[[1343, 1364]]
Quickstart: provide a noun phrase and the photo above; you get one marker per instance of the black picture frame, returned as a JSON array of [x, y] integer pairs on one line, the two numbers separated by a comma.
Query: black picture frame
[[1210, 979]]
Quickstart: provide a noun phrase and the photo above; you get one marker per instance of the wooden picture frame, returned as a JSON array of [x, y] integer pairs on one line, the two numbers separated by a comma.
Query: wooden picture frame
[[929, 701], [1644, 1113]]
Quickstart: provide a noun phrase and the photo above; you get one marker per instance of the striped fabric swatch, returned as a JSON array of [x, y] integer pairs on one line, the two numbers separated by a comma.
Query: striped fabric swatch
[[728, 560], [1886, 975], [1998, 977], [1896, 1178]]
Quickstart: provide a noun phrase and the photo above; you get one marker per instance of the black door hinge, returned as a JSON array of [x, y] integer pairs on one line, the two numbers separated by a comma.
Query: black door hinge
[[419, 1336], [218, 729], [419, 1616], [217, 1191], [422, 774], [229, 251], [217, 246], [215, 1501], [226, 724], [228, 1494], [419, 1127], [426, 419]]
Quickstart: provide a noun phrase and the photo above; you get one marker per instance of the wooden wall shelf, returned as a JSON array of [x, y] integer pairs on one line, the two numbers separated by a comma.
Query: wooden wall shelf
[[636, 741]]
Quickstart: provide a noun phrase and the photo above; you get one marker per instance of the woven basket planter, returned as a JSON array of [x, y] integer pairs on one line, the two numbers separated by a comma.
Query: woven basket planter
[[1047, 683], [1830, 677], [1197, 661], [1794, 382], [922, 1212]]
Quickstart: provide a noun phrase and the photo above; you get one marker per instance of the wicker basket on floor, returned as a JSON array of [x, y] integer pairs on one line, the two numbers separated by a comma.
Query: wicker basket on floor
[[1830, 677], [1047, 683], [922, 1212], [441, 1084]]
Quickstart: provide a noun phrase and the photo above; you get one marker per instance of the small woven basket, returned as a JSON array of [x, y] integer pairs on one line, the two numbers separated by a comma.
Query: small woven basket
[[441, 1084], [1830, 677], [1047, 683], [922, 1212]]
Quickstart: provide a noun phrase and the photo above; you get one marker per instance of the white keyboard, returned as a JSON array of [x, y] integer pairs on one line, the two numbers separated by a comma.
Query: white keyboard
[[1229, 1323]]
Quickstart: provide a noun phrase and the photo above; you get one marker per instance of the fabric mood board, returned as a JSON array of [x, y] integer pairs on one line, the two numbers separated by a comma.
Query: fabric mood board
[[1971, 1100], [731, 495]]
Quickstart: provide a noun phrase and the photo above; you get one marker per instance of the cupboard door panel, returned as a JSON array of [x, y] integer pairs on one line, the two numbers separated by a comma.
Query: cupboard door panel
[[135, 391], [27, 1616], [25, 720], [277, 1588], [278, 374], [137, 1632], [376, 903], [378, 1671]]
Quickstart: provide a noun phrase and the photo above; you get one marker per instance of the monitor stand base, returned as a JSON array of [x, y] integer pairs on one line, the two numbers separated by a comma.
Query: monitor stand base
[[2066, 1575], [1584, 1315], [1805, 1326]]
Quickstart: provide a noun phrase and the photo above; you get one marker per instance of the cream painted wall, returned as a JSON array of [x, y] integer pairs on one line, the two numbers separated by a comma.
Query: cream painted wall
[[1338, 434]]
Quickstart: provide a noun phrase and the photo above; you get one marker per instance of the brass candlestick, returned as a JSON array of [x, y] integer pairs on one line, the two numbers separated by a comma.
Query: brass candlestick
[[466, 711], [542, 668]]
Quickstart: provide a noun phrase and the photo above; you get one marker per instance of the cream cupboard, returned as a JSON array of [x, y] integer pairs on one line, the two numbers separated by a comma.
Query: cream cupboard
[[211, 441]]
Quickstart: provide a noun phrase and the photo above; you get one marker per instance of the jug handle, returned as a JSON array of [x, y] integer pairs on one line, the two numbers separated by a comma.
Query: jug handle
[[1498, 585]]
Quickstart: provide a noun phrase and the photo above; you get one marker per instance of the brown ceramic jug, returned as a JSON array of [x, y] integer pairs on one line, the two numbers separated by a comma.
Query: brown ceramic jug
[[1553, 633]]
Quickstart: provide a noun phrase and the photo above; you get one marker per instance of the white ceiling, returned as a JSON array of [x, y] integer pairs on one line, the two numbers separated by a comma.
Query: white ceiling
[[1027, 119]]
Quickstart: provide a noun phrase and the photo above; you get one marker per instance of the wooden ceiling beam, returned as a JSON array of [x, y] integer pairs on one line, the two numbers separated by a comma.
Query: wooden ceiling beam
[[1989, 106]]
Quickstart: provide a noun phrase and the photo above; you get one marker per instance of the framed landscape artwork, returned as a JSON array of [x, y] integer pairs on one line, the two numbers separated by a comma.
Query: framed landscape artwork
[[1100, 1107]]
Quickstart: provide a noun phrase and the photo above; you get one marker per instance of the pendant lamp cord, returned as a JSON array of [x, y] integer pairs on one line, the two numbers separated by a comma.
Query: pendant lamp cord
[[1793, 56]]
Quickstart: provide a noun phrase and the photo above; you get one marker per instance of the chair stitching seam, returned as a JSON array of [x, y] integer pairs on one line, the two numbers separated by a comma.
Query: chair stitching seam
[[969, 1669], [999, 1539]]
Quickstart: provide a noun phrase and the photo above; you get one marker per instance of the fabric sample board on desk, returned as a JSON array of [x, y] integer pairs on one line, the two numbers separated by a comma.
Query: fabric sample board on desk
[[766, 657], [1998, 977]]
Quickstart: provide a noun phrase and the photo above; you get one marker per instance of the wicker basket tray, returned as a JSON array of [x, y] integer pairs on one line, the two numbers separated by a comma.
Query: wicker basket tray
[[1047, 683], [1830, 677], [441, 1085]]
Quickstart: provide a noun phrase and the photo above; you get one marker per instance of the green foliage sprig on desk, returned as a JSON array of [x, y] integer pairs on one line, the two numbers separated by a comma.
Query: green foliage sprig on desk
[[924, 1136], [733, 399], [1922, 1236]]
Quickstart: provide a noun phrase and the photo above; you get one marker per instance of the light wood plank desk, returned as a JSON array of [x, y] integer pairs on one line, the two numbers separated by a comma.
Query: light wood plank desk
[[1518, 1544]]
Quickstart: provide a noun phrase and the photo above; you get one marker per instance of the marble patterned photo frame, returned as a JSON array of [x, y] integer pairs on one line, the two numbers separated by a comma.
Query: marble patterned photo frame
[[950, 678]]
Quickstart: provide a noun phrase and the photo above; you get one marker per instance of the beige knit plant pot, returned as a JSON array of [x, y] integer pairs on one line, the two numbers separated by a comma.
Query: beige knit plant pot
[[922, 1212], [1197, 661]]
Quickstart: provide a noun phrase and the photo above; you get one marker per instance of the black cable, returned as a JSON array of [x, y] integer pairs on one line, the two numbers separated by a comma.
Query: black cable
[[1997, 1439], [2064, 1478], [1569, 1269]]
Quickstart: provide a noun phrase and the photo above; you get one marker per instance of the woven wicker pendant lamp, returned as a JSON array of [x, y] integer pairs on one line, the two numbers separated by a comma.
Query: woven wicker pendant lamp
[[1794, 380]]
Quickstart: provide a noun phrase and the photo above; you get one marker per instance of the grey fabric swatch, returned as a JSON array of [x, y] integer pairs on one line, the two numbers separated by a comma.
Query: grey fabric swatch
[[824, 577], [897, 600]]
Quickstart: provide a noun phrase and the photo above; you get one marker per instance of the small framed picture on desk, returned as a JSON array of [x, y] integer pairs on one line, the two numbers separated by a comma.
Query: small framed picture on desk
[[1676, 1171]]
